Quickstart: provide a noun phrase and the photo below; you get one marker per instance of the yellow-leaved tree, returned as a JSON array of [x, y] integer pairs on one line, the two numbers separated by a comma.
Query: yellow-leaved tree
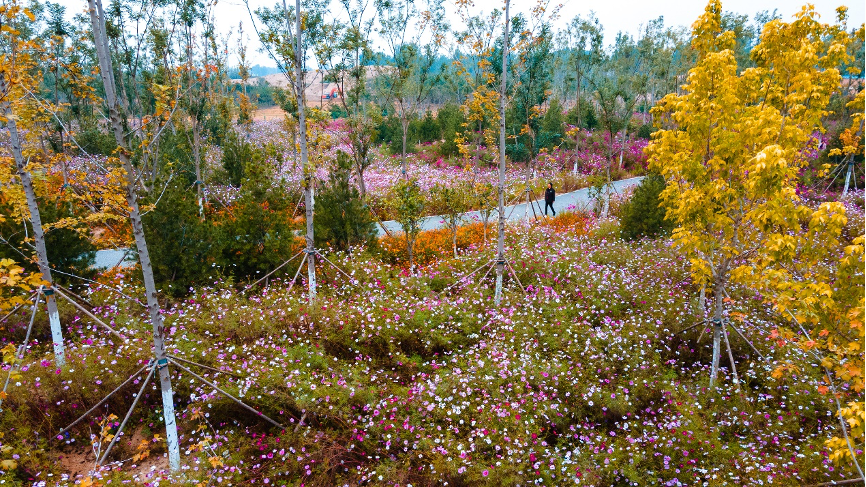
[[814, 276], [731, 148], [732, 144]]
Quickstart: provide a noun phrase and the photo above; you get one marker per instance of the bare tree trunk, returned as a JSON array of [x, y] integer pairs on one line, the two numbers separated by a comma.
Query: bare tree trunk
[[702, 301], [454, 239], [500, 241], [308, 171], [196, 154], [719, 293], [36, 222], [410, 247], [848, 175], [97, 19], [606, 204], [622, 148], [577, 137], [404, 122]]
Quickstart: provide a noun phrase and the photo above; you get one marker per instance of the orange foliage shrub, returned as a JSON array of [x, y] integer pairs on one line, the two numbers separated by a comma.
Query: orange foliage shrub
[[433, 244], [436, 244], [571, 222]]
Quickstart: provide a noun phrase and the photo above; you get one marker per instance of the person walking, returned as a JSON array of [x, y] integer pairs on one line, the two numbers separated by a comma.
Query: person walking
[[549, 198]]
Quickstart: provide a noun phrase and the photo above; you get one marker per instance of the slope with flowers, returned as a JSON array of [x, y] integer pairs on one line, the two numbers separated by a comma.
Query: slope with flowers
[[590, 377]]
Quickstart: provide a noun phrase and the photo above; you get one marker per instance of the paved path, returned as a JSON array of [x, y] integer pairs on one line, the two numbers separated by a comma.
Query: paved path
[[575, 200], [106, 259]]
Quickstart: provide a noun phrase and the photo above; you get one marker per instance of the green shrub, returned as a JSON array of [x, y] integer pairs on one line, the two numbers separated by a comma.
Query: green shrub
[[236, 153], [185, 251], [69, 250], [427, 129], [552, 126], [260, 234], [342, 219], [642, 216], [450, 119], [645, 131], [94, 140], [588, 117]]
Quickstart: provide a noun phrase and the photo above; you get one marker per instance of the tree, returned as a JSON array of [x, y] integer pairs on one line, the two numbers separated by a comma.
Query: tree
[[477, 140], [344, 61], [410, 77], [807, 256], [129, 174], [531, 78], [618, 86], [290, 52], [735, 146], [450, 202], [342, 219], [583, 38], [407, 204], [18, 77], [245, 105], [500, 196]]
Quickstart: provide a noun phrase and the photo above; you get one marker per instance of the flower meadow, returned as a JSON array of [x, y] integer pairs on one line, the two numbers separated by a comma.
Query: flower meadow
[[589, 375], [428, 168]]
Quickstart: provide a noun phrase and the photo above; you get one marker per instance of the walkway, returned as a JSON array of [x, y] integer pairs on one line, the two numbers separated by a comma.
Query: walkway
[[576, 199], [106, 259]]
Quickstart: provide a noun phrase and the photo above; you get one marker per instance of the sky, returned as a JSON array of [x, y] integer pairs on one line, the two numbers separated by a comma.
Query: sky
[[614, 15]]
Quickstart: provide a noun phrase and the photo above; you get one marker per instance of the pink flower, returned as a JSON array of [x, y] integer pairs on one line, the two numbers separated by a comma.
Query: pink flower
[[485, 473]]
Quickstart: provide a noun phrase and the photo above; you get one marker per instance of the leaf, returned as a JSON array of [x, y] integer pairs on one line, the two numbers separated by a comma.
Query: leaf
[[8, 465]]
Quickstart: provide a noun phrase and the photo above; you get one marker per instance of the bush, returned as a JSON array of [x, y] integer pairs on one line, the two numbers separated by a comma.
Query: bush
[[236, 153], [69, 250], [588, 118], [430, 245], [260, 232], [427, 129], [94, 140], [342, 219], [552, 126], [450, 119], [184, 250], [642, 216], [567, 222], [645, 131]]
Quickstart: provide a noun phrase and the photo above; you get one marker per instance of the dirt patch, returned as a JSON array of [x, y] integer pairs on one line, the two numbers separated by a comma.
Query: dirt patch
[[80, 462], [270, 113]]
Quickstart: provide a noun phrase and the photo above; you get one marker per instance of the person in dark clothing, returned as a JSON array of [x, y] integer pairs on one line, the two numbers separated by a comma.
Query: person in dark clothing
[[549, 198]]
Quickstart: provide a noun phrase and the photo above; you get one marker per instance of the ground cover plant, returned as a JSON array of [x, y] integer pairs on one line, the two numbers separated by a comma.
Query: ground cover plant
[[584, 379], [310, 296]]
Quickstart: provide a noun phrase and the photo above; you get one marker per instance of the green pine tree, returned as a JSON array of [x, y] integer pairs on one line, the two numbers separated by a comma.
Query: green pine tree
[[342, 219]]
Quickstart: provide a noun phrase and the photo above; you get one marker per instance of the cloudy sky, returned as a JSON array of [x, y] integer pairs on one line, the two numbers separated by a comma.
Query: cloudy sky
[[615, 15]]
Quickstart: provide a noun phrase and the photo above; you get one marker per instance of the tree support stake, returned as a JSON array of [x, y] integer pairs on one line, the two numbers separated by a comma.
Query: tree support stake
[[233, 398]]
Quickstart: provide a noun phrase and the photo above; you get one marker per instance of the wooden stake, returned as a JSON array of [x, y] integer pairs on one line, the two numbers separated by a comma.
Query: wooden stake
[[128, 414]]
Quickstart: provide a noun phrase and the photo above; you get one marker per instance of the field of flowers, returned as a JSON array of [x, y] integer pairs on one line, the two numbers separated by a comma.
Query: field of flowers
[[590, 377], [430, 170]]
